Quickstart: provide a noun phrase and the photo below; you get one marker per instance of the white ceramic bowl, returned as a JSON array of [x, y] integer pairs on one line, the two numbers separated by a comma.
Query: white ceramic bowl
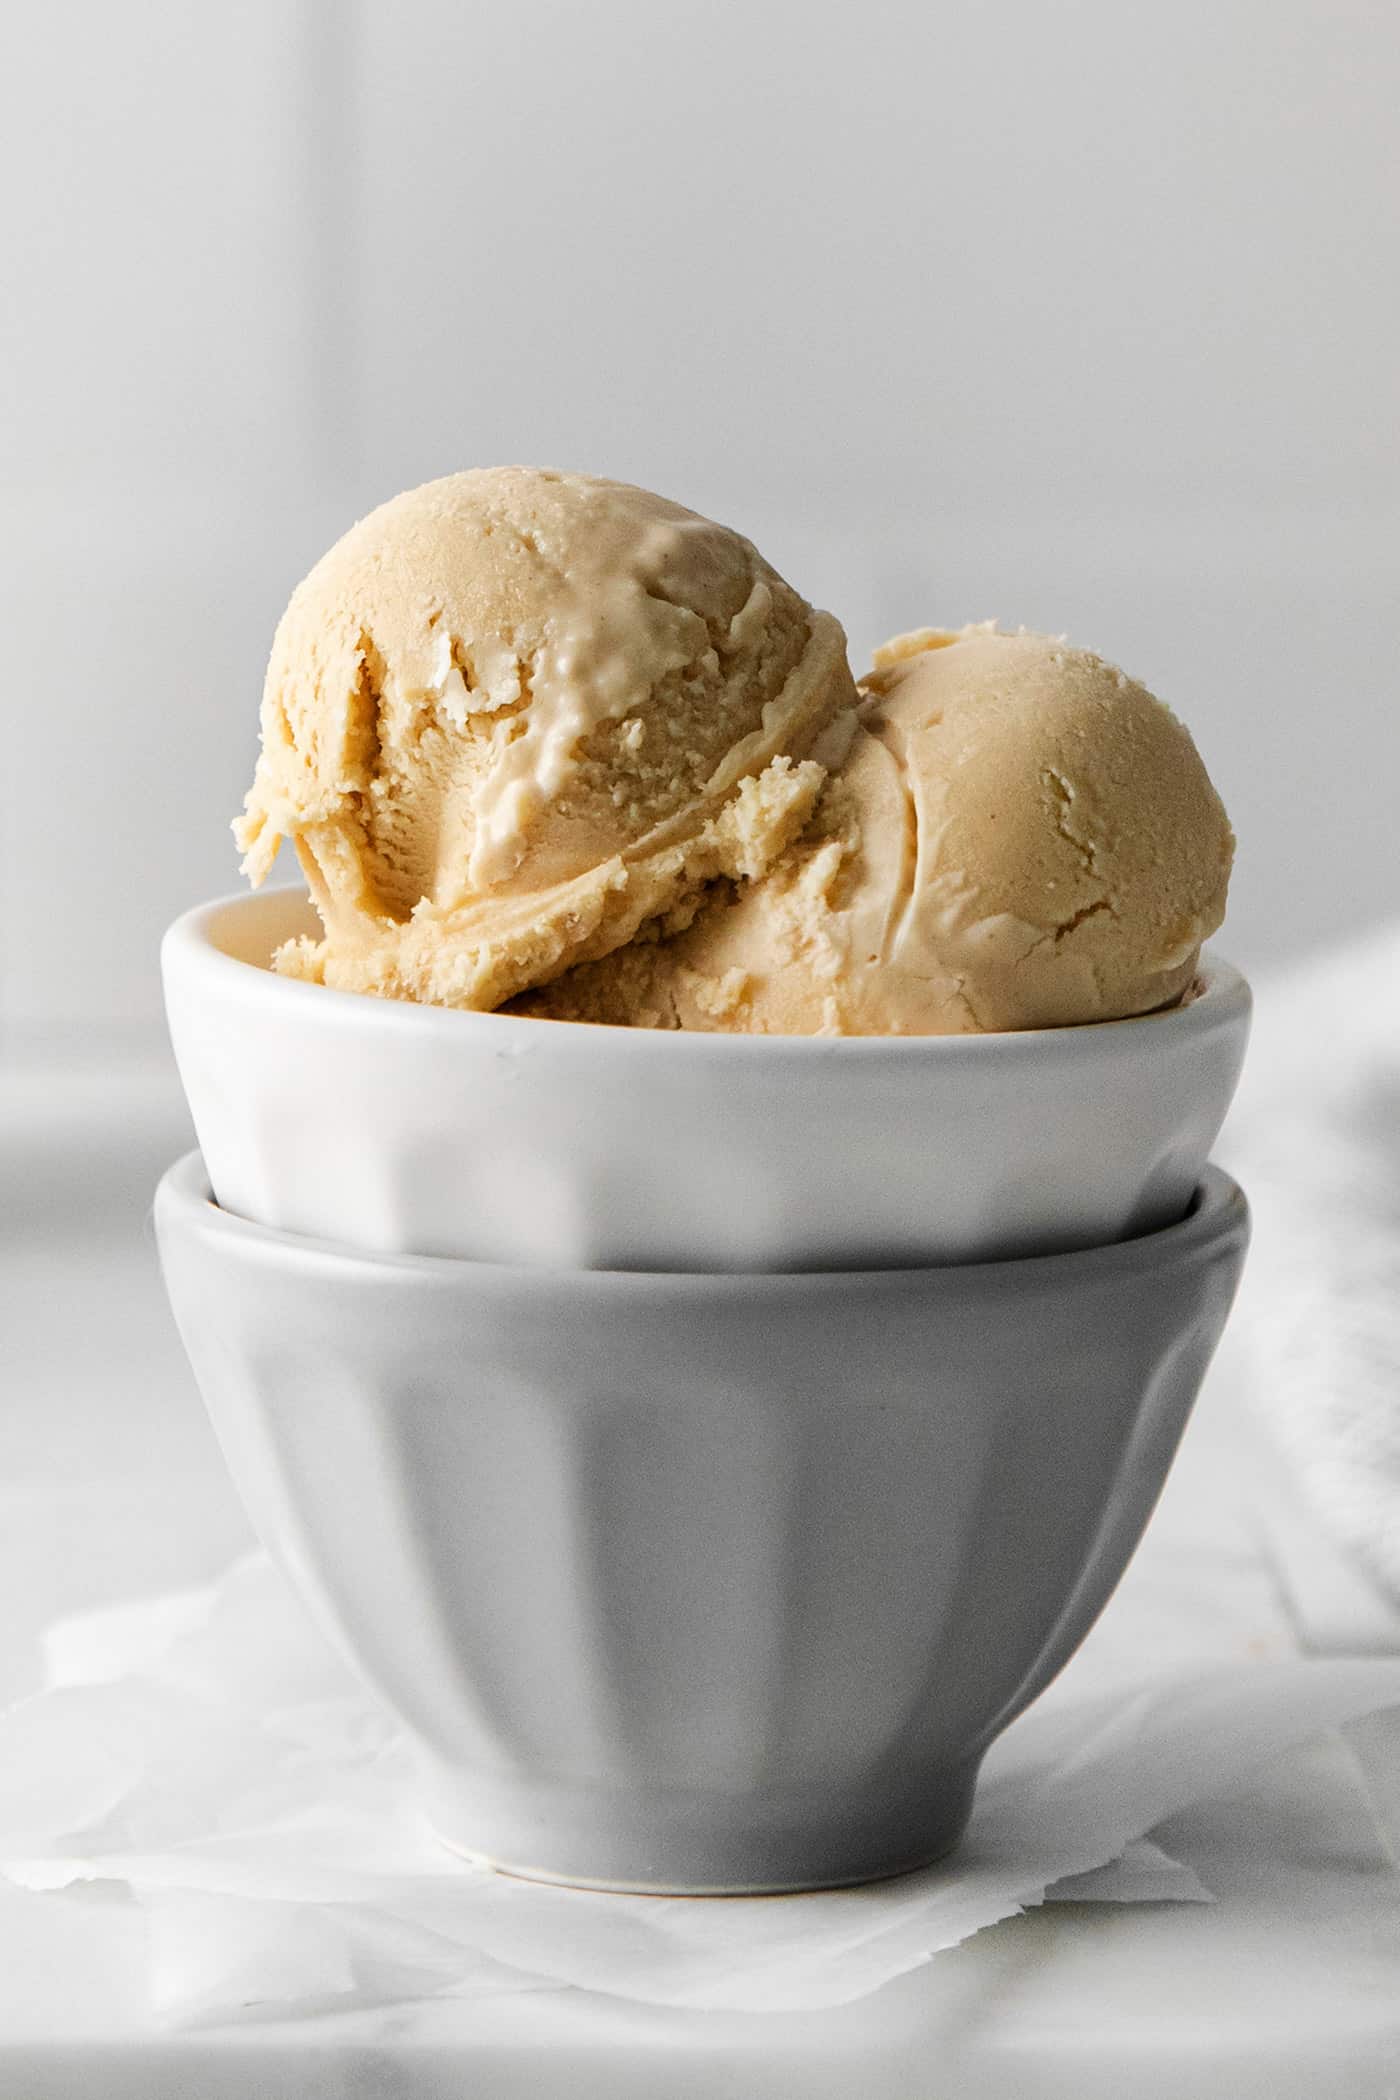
[[699, 1582], [413, 1129]]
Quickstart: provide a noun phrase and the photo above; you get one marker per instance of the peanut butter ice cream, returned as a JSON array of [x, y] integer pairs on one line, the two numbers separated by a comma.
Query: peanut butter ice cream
[[1013, 834], [515, 716]]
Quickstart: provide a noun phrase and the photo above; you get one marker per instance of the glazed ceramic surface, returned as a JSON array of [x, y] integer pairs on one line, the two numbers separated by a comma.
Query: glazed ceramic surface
[[699, 1582], [412, 1129]]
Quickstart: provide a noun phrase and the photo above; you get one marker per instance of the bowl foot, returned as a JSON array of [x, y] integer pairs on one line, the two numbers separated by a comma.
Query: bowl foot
[[669, 1842]]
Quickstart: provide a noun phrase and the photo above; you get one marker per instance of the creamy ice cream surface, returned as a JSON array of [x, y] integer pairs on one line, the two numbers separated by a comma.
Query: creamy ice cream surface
[[515, 716], [1013, 835]]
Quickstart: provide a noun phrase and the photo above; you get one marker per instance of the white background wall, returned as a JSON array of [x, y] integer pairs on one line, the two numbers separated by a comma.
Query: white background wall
[[1083, 315]]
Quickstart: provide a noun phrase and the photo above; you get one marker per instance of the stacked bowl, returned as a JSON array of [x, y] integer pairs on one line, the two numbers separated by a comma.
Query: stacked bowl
[[705, 1444]]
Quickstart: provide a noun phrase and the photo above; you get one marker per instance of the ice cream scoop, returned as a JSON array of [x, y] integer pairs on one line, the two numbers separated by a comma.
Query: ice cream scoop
[[514, 716], [1013, 835]]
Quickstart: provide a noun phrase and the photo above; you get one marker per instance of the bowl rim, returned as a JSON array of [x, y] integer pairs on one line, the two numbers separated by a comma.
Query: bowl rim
[[189, 952], [1219, 1213]]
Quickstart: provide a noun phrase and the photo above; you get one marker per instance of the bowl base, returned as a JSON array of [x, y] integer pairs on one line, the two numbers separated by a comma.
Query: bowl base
[[662, 1844]]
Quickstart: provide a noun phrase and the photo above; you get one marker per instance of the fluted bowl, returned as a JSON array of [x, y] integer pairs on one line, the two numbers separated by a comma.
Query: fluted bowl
[[699, 1582]]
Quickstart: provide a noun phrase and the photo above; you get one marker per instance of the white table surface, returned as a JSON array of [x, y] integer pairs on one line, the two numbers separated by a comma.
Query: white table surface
[[110, 1487]]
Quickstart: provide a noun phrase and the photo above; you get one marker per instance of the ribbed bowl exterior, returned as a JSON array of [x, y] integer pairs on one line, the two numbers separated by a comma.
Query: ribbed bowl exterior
[[699, 1582]]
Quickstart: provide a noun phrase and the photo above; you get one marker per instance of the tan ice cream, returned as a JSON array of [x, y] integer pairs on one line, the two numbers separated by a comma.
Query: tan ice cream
[[1015, 835], [514, 716]]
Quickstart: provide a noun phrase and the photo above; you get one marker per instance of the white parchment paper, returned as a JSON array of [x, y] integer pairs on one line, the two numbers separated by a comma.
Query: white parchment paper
[[208, 1751]]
